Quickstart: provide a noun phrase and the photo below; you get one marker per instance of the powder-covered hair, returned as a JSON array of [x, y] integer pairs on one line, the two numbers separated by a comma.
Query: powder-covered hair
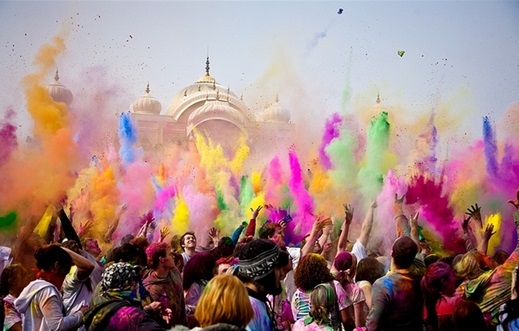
[[432, 286], [224, 300], [154, 252], [470, 266], [323, 301]]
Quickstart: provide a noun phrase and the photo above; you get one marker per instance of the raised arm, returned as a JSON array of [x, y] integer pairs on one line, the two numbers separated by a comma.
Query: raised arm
[[468, 236], [485, 238], [515, 203], [84, 265], [413, 222], [108, 236], [345, 228], [367, 225], [402, 223], [475, 212], [68, 229], [251, 229], [236, 234], [318, 225]]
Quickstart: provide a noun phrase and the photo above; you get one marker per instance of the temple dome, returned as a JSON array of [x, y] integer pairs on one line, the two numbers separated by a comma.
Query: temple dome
[[216, 110], [59, 92], [276, 113], [147, 104]]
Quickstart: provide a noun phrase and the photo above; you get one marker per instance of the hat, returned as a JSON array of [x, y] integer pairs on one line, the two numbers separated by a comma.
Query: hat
[[258, 258]]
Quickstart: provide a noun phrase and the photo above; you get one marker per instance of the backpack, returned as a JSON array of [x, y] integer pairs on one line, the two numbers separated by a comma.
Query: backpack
[[98, 317]]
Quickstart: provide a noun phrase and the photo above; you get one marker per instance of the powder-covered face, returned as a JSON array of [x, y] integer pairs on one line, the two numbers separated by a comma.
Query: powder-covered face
[[168, 261], [222, 268], [92, 246]]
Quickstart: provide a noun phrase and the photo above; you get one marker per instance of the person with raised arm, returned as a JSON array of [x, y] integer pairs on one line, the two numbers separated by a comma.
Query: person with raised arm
[[489, 289], [345, 228], [319, 224], [359, 247], [41, 302]]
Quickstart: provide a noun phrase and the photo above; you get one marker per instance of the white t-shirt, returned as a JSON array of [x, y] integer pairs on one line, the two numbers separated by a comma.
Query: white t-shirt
[[41, 305], [359, 251], [75, 291], [12, 316]]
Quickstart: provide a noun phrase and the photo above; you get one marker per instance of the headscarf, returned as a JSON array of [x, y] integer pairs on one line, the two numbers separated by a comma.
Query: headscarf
[[118, 282]]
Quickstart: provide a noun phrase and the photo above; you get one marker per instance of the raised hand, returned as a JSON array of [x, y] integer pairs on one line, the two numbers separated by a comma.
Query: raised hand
[[213, 233], [84, 228], [327, 248], [489, 232], [255, 212], [164, 231], [474, 211], [414, 219], [321, 223], [400, 200], [515, 202], [283, 225], [348, 213]]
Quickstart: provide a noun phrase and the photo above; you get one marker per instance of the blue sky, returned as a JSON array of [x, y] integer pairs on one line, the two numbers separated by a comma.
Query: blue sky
[[464, 52]]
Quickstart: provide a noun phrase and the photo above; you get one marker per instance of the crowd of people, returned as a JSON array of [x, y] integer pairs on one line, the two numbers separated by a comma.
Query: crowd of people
[[252, 280]]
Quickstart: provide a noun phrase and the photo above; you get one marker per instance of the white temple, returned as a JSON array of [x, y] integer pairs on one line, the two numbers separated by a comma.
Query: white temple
[[205, 107]]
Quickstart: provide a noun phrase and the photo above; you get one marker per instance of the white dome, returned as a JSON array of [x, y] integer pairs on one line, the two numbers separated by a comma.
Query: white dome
[[276, 113], [216, 109], [60, 93], [147, 104]]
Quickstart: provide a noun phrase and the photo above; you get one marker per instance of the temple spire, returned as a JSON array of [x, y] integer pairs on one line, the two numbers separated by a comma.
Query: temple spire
[[207, 66]]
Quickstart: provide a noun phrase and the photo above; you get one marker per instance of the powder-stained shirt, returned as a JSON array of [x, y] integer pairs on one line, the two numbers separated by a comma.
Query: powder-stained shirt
[[261, 320], [168, 291], [492, 289], [12, 316], [300, 326], [396, 303]]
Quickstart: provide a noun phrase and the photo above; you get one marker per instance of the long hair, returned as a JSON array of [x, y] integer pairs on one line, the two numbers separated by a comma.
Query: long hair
[[224, 300], [323, 301], [432, 286], [344, 264], [470, 266]]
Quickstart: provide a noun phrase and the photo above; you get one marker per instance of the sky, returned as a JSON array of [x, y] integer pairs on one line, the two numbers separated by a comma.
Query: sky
[[462, 56]]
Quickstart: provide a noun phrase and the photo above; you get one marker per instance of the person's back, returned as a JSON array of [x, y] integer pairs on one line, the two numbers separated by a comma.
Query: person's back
[[397, 297], [397, 302]]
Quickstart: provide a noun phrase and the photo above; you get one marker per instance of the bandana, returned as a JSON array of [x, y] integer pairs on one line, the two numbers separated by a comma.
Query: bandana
[[261, 265]]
